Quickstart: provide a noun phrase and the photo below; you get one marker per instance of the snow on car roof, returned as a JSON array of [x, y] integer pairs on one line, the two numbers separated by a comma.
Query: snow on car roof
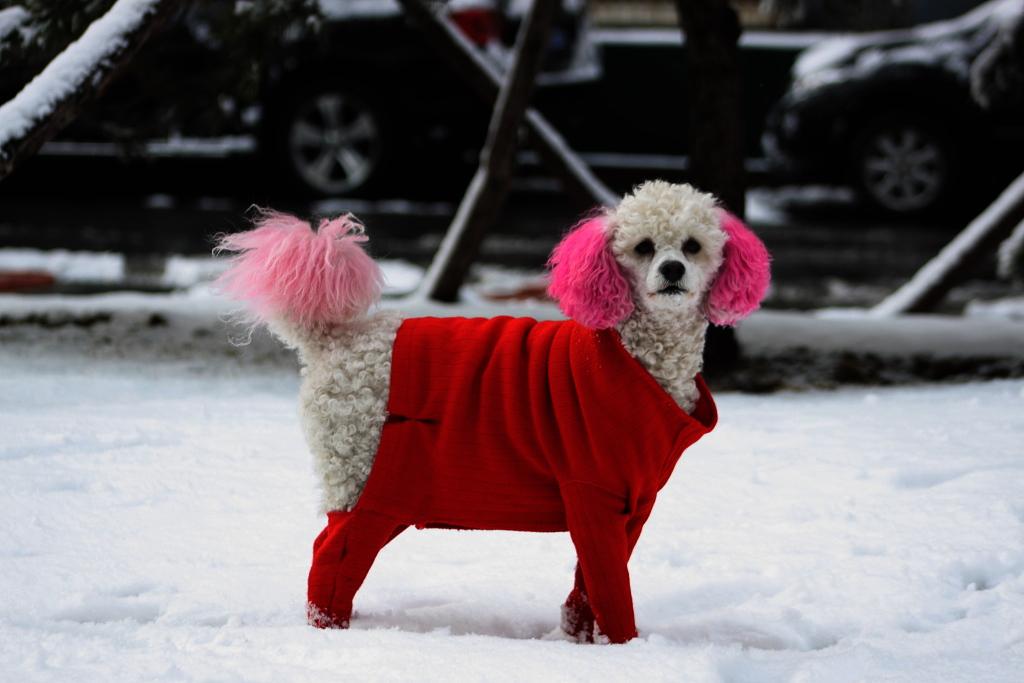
[[347, 9], [836, 49]]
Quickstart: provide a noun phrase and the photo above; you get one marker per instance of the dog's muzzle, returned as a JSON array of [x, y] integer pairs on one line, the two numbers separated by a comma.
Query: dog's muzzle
[[672, 272]]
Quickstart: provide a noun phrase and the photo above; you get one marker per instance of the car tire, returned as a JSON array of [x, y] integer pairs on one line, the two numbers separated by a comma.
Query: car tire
[[903, 164], [333, 139]]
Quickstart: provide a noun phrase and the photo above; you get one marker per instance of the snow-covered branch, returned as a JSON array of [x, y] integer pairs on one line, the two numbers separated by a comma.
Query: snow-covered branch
[[12, 19], [76, 77], [997, 75]]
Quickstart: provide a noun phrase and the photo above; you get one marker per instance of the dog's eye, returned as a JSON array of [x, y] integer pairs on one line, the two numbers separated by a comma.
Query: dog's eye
[[691, 246], [645, 248]]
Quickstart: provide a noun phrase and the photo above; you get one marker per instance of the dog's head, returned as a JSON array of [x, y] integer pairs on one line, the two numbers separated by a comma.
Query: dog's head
[[667, 248]]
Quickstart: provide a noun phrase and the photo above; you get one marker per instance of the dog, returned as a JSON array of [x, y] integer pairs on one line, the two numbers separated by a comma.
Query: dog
[[505, 423]]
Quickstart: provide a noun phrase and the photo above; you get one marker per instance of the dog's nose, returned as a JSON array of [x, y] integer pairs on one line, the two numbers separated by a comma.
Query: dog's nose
[[672, 271]]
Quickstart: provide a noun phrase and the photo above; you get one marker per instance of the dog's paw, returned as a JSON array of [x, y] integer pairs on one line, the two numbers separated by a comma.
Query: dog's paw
[[324, 619], [578, 620]]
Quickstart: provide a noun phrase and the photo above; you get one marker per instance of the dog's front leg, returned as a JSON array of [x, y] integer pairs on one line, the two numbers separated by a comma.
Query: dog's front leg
[[600, 529], [577, 615]]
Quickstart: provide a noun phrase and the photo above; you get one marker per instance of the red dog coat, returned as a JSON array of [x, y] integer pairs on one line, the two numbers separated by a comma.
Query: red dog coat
[[510, 423]]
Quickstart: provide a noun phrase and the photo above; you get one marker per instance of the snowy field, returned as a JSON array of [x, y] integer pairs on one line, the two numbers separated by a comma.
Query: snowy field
[[158, 512]]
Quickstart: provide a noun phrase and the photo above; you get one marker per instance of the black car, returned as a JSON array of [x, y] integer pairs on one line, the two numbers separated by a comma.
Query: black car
[[892, 114], [364, 105]]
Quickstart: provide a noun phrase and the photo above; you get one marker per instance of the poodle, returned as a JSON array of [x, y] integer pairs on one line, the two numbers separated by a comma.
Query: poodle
[[505, 423]]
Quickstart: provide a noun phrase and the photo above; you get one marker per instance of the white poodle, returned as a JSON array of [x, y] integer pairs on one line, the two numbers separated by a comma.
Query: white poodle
[[505, 423]]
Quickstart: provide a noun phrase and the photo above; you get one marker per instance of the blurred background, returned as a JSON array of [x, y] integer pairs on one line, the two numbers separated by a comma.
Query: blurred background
[[871, 136]]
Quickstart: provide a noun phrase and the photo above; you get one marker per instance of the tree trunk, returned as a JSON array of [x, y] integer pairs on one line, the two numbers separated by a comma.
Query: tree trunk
[[76, 78], [712, 29], [711, 33]]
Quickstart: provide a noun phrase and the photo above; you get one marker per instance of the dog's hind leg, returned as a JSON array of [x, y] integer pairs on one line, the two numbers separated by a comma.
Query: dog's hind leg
[[342, 556]]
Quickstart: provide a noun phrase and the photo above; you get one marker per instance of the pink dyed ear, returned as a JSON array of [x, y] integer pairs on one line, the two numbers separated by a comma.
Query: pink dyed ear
[[743, 279], [586, 280]]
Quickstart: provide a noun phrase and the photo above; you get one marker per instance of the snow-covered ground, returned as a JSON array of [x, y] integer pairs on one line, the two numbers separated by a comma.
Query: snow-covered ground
[[157, 512]]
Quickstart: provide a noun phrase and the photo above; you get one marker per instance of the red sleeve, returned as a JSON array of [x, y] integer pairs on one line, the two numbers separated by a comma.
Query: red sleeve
[[599, 526]]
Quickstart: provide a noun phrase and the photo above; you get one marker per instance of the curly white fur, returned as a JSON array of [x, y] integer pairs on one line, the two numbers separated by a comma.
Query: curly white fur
[[343, 402], [666, 331], [347, 370]]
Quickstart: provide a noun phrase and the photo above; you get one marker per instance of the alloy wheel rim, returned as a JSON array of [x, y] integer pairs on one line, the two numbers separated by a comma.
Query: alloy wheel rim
[[334, 142], [904, 168]]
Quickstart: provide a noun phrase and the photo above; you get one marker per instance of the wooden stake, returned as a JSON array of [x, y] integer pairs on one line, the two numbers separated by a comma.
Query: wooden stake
[[481, 204], [929, 286], [581, 185]]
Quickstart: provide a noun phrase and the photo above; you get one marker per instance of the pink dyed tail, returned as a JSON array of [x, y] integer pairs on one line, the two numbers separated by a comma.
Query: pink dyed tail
[[287, 272]]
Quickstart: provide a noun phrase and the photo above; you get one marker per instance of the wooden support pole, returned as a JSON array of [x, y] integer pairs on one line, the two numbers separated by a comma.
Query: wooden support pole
[[929, 286], [579, 182], [482, 202]]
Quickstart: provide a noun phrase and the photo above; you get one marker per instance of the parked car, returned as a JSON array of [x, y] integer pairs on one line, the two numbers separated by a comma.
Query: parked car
[[363, 104], [891, 113]]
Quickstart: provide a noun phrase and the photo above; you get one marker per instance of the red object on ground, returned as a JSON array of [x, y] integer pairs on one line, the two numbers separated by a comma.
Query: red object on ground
[[25, 281], [510, 423]]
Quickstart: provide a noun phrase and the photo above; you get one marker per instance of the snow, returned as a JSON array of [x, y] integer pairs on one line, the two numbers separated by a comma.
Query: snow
[[823, 56], [672, 37], [857, 331], [13, 19], [65, 265], [391, 207], [159, 510], [346, 9], [179, 272], [69, 70], [210, 148], [1010, 256], [1009, 308]]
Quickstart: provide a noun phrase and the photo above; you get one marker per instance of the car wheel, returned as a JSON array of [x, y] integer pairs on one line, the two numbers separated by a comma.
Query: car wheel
[[334, 140], [902, 165]]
